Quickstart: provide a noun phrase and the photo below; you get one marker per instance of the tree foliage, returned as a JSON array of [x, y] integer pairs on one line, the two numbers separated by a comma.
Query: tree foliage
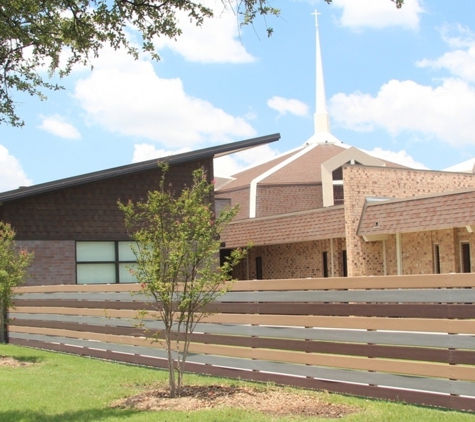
[[56, 34], [177, 250], [13, 265], [36, 33]]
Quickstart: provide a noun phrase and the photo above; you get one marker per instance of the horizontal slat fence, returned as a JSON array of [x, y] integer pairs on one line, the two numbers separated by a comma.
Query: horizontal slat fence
[[406, 338]]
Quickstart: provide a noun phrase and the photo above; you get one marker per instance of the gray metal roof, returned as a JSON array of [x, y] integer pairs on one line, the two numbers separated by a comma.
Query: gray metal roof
[[216, 151]]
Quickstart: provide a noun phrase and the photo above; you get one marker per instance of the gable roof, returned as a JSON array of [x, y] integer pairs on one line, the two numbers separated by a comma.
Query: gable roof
[[216, 151]]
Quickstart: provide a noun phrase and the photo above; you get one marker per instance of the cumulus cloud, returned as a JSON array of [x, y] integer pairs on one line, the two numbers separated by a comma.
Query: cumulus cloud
[[144, 152], [459, 62], [379, 14], [399, 157], [445, 112], [131, 99], [231, 164], [288, 105], [57, 125], [11, 174], [216, 41]]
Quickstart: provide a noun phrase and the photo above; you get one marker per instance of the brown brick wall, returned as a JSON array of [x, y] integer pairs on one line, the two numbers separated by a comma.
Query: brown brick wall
[[361, 182], [89, 211], [54, 261], [237, 196], [282, 199], [292, 260]]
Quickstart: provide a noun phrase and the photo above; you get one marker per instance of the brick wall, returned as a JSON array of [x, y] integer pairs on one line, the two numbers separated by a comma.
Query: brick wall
[[89, 211], [282, 199], [237, 196], [54, 261], [361, 182], [292, 260]]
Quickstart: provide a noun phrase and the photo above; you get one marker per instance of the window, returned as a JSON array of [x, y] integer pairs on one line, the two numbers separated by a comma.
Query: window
[[465, 258], [436, 259], [104, 262], [259, 268], [325, 264], [344, 263]]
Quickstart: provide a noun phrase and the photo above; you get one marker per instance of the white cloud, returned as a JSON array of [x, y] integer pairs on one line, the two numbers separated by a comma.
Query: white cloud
[[445, 112], [216, 41], [288, 105], [460, 62], [57, 126], [379, 13], [131, 99], [12, 175], [400, 157], [234, 163], [144, 152]]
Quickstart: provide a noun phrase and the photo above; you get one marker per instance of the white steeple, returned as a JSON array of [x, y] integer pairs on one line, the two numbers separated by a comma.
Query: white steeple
[[321, 117]]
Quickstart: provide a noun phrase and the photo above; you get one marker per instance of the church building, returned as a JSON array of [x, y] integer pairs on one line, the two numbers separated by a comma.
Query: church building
[[326, 209]]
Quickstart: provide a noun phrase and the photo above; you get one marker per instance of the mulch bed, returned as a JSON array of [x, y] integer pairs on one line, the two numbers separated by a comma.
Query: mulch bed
[[11, 362], [271, 401]]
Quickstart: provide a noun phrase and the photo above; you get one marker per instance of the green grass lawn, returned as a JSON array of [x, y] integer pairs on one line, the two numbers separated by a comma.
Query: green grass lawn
[[65, 388]]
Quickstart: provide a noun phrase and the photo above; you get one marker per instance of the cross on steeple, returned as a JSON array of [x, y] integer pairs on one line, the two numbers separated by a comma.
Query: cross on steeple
[[315, 13]]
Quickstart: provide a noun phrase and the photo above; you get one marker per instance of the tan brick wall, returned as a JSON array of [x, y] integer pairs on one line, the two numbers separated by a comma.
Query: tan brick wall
[[281, 199], [54, 261], [361, 182], [293, 260]]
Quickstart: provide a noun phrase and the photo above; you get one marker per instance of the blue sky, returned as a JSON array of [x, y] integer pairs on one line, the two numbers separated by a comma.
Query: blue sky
[[399, 83]]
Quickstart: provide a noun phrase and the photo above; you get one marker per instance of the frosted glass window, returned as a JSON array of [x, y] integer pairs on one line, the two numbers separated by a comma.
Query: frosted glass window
[[124, 273], [95, 273], [125, 252], [95, 251], [104, 262]]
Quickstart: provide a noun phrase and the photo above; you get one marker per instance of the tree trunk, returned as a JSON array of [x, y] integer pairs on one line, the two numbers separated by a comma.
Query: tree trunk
[[171, 368]]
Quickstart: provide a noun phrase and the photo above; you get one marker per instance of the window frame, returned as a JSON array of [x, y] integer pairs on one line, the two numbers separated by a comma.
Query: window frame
[[464, 248], [116, 262]]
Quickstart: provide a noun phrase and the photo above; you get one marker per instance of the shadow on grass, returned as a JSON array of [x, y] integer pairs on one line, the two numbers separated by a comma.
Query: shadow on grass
[[89, 415]]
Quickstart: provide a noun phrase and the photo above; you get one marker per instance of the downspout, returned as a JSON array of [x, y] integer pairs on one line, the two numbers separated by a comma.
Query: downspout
[[385, 268], [398, 253]]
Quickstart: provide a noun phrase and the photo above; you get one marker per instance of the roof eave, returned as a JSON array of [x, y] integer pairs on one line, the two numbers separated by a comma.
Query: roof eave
[[216, 151]]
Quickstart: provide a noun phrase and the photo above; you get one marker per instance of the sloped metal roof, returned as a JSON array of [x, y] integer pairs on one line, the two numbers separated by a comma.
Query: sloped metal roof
[[216, 151]]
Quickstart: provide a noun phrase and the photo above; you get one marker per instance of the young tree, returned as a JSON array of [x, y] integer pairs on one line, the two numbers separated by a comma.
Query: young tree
[[177, 250], [34, 33], [13, 264]]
